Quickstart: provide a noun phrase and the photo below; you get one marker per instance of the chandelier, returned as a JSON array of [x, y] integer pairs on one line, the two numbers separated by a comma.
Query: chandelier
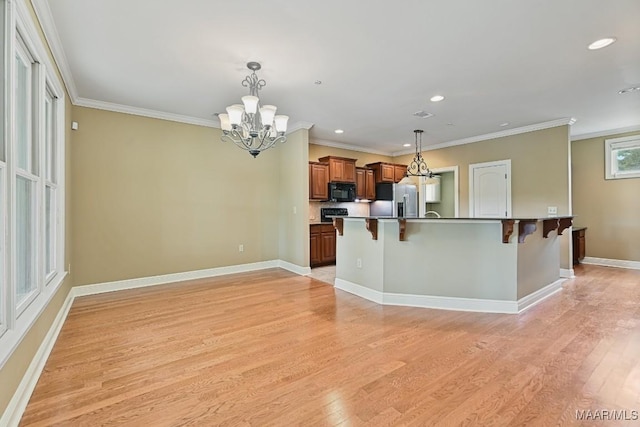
[[249, 125], [418, 167]]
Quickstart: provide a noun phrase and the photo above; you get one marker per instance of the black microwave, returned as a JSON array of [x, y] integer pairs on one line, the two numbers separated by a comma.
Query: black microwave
[[342, 192]]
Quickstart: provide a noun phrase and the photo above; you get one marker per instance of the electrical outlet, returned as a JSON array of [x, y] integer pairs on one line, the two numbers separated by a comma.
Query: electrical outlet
[[359, 263], [241, 248], [552, 210]]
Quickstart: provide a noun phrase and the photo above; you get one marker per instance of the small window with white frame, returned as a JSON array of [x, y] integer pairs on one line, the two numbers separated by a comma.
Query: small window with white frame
[[622, 157]]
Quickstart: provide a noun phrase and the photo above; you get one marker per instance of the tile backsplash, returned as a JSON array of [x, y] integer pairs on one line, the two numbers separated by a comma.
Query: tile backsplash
[[355, 209]]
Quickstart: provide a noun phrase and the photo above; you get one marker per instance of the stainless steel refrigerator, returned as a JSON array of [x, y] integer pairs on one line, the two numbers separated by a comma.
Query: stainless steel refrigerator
[[396, 200]]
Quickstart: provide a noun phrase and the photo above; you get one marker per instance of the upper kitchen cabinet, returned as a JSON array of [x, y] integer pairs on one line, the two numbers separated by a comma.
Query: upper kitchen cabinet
[[365, 184], [340, 169], [318, 181], [388, 172]]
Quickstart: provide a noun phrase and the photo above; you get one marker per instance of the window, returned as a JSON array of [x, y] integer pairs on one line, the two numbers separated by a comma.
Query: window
[[31, 177], [622, 157]]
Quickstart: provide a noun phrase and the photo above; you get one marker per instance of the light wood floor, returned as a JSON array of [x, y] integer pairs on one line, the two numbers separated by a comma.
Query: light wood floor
[[273, 348]]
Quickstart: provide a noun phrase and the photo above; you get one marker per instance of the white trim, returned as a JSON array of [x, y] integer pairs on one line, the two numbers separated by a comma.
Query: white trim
[[609, 132], [540, 295], [299, 125], [611, 167], [344, 146], [294, 268], [18, 403], [456, 185], [494, 135], [620, 263], [451, 303], [567, 273], [136, 111], [43, 13], [359, 290], [507, 163], [142, 282]]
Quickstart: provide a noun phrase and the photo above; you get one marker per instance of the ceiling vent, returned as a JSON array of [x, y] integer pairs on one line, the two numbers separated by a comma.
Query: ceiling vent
[[422, 114]]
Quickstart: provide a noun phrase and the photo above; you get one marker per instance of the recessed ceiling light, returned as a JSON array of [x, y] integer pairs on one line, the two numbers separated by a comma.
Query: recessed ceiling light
[[629, 89], [338, 131], [317, 82], [406, 145], [599, 44], [422, 114], [437, 98], [504, 124]]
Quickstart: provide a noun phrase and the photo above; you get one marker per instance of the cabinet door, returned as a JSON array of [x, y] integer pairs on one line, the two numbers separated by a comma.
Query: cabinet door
[[387, 173], [328, 246], [349, 171], [336, 170], [315, 250], [370, 185], [361, 183], [399, 172], [318, 182]]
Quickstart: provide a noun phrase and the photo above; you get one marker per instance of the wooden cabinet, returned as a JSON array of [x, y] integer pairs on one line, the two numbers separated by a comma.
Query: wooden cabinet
[[399, 172], [322, 241], [318, 181], [341, 169], [579, 244], [388, 172], [365, 184]]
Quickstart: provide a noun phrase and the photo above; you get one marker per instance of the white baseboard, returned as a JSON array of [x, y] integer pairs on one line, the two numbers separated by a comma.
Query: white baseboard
[[142, 282], [539, 295], [450, 303], [620, 263], [359, 290], [20, 399], [12, 415], [567, 273], [294, 268]]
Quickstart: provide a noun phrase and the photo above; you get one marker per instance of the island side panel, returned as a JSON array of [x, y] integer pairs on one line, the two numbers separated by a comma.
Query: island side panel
[[538, 262], [357, 243], [462, 260]]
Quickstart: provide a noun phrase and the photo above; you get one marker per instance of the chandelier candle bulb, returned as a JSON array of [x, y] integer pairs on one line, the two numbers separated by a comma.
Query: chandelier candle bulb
[[250, 104], [235, 112]]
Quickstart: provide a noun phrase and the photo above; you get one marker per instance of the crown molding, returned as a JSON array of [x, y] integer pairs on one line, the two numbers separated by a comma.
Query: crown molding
[[119, 108], [299, 125], [609, 132], [45, 18], [494, 135], [334, 144]]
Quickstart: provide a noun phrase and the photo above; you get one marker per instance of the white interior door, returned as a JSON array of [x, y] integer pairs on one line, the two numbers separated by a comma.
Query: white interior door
[[490, 189]]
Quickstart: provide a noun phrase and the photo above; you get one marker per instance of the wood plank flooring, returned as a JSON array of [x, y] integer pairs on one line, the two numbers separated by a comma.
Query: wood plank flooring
[[274, 349]]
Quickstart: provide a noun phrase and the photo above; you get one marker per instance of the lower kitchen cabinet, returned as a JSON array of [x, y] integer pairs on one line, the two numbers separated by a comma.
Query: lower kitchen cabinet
[[322, 244], [579, 244]]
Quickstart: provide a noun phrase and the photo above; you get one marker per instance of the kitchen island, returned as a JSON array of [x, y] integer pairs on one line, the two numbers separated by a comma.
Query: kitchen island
[[500, 265]]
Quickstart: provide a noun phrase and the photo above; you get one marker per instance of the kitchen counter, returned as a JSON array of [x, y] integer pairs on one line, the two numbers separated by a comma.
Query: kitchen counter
[[502, 265]]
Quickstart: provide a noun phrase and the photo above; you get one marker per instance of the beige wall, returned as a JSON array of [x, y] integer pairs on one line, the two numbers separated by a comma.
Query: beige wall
[[153, 197], [539, 172], [15, 367], [608, 208], [539, 168], [317, 151], [293, 196]]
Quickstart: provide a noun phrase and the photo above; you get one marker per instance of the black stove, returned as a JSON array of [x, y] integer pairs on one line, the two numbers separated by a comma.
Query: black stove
[[325, 212]]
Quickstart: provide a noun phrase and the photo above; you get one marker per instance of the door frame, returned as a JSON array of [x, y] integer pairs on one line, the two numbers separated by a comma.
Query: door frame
[[472, 168], [456, 188]]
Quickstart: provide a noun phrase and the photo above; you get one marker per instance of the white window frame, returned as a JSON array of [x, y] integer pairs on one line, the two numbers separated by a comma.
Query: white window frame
[[610, 163], [15, 321]]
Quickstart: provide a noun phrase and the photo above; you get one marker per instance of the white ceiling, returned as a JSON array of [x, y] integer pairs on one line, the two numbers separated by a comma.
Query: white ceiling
[[495, 61]]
